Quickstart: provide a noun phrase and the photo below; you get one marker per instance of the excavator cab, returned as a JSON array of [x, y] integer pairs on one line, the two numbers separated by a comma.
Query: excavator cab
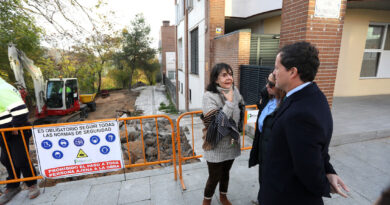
[[54, 94], [62, 94]]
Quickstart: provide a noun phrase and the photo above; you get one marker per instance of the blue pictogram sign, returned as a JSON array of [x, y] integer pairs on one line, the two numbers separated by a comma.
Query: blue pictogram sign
[[110, 137], [78, 141], [94, 140], [46, 144], [57, 154], [63, 143], [104, 149]]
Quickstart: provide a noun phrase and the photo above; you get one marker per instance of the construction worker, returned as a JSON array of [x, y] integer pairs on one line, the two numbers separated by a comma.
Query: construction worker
[[14, 113], [68, 96]]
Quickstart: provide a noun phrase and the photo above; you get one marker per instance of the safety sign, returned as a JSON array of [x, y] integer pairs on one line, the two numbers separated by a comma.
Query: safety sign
[[81, 154], [251, 116], [78, 149]]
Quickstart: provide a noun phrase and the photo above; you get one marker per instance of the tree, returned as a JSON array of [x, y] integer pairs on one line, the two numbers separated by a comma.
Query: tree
[[19, 28], [136, 45], [150, 69], [64, 17]]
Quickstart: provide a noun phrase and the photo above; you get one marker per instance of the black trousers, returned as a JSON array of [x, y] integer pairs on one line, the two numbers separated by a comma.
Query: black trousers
[[19, 157], [258, 194], [218, 173]]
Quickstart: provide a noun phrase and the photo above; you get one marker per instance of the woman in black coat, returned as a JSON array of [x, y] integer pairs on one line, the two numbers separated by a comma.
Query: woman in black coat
[[270, 99]]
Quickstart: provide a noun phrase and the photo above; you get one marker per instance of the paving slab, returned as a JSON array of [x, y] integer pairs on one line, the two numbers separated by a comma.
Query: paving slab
[[107, 193], [74, 195], [164, 190], [134, 190]]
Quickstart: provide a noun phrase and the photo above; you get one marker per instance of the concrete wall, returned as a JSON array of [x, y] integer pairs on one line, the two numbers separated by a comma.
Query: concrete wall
[[233, 49], [181, 66], [272, 25], [246, 8], [256, 27], [348, 81], [196, 81]]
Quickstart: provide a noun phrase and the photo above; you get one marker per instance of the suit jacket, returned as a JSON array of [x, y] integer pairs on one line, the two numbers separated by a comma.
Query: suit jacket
[[297, 159], [254, 158]]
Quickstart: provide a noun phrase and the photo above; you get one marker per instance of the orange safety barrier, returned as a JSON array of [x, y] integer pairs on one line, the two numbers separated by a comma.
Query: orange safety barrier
[[245, 123], [16, 179], [182, 159], [159, 161], [140, 118]]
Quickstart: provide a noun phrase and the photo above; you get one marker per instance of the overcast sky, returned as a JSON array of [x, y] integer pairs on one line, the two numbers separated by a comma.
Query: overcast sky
[[155, 11]]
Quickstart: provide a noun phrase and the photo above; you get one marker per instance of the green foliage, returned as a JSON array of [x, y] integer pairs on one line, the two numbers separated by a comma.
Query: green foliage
[[136, 50], [18, 27], [168, 108], [171, 109], [151, 68]]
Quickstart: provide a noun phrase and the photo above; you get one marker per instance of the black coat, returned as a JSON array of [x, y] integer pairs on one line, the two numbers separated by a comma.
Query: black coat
[[297, 159], [256, 151]]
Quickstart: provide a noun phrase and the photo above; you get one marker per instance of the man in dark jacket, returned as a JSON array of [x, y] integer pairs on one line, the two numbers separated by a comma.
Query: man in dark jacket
[[296, 166]]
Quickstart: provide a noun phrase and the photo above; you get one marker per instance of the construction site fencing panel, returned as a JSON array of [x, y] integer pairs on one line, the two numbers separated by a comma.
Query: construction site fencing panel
[[22, 132], [126, 122], [193, 114]]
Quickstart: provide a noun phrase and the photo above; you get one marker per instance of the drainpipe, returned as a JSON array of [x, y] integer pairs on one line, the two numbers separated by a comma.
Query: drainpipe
[[176, 67], [186, 54]]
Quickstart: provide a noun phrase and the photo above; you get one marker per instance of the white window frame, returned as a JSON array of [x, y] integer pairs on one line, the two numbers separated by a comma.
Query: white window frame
[[180, 54], [171, 74], [380, 50]]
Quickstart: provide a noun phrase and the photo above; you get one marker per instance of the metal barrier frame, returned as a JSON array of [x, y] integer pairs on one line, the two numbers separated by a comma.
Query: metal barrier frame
[[34, 177], [182, 159], [173, 160], [16, 179], [140, 118]]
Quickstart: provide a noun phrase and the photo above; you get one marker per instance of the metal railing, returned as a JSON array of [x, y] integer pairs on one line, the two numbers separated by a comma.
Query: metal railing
[[181, 159], [159, 161], [22, 135], [125, 121]]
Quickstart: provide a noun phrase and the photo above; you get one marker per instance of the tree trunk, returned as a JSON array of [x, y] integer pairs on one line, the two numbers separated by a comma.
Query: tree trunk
[[131, 79], [123, 84], [100, 81]]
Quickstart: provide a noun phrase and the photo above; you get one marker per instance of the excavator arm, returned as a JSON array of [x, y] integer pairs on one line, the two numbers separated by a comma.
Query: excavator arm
[[19, 61]]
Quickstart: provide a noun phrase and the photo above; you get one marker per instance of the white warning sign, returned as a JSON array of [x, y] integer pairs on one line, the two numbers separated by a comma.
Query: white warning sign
[[78, 149]]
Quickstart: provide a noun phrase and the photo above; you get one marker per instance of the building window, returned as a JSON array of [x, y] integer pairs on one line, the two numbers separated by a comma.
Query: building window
[[171, 75], [180, 54], [194, 52], [189, 4], [181, 88], [376, 58], [179, 11], [190, 94]]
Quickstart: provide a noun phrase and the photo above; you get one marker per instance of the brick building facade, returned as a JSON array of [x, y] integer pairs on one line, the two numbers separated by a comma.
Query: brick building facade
[[227, 27], [167, 44]]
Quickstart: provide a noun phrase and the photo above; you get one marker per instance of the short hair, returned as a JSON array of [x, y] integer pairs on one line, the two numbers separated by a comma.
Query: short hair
[[217, 69], [303, 56]]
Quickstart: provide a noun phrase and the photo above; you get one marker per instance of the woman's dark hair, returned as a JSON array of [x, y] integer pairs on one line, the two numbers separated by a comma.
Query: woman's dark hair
[[385, 197], [303, 56], [217, 69]]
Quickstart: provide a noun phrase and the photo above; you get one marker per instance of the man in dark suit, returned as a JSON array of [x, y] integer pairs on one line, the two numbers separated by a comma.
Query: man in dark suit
[[296, 167]]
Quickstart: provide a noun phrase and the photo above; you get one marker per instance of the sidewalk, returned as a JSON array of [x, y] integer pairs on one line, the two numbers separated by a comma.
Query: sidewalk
[[364, 166], [150, 98], [359, 153]]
